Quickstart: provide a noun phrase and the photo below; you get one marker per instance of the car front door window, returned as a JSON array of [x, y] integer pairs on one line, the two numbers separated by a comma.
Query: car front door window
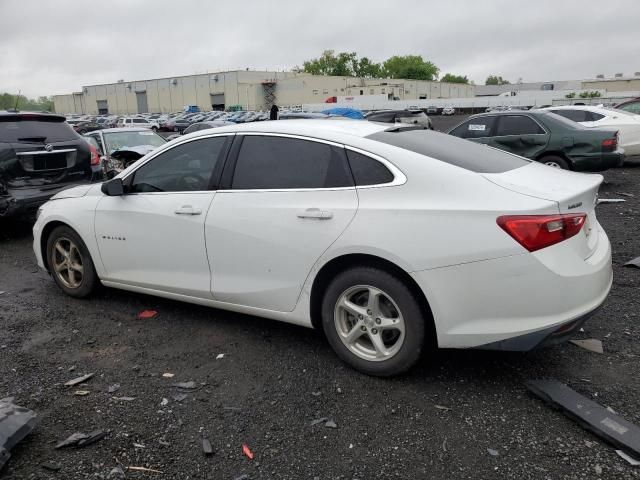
[[185, 167]]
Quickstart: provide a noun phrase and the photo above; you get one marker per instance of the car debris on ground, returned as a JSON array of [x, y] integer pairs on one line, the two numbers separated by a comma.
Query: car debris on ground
[[80, 439], [191, 385], [633, 263], [79, 380], [146, 314], [168, 375], [590, 344], [15, 424], [247, 451], [113, 388], [630, 460], [591, 415], [609, 200]]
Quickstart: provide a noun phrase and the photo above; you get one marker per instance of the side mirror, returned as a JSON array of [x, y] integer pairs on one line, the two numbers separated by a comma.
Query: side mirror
[[113, 188]]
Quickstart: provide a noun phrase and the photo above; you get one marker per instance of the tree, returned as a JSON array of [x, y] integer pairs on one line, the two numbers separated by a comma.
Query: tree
[[412, 67], [496, 80], [10, 101], [329, 63], [451, 78], [365, 68]]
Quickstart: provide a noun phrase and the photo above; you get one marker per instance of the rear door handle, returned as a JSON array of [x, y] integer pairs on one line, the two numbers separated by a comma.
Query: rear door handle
[[315, 213], [188, 210]]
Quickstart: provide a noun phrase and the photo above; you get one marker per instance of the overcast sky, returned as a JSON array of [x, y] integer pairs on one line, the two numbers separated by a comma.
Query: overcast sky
[[52, 47]]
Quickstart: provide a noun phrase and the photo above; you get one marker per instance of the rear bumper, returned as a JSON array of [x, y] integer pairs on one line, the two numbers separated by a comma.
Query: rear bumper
[[517, 302], [598, 162], [24, 201]]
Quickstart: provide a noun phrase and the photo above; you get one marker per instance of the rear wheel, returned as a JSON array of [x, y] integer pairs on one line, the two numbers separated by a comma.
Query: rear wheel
[[555, 162], [70, 263], [373, 321], [154, 128]]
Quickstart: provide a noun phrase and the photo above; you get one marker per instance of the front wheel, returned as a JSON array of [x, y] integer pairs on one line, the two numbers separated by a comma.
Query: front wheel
[[70, 263], [373, 321]]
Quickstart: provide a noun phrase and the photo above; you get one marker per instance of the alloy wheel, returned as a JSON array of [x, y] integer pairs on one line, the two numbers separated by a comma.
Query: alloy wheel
[[369, 323], [67, 263]]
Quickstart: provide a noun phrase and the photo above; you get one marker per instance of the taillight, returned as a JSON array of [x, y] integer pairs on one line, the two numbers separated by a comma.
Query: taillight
[[95, 158], [610, 144], [534, 232]]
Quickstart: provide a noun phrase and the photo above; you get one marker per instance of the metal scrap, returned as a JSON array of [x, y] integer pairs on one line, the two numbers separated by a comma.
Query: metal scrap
[[79, 380], [635, 263], [590, 344], [80, 439], [15, 424]]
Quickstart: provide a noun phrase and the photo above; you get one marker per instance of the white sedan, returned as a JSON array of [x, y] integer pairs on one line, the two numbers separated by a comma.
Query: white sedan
[[391, 239], [627, 123]]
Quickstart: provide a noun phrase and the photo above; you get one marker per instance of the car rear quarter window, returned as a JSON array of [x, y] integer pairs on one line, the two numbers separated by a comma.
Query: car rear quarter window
[[449, 149], [517, 125], [33, 130], [270, 162], [479, 127], [367, 171], [574, 115]]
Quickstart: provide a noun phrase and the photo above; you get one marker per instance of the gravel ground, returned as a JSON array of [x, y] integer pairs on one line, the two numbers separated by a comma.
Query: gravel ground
[[275, 379]]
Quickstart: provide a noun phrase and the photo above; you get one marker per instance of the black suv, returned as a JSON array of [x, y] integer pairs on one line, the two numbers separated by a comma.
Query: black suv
[[40, 155]]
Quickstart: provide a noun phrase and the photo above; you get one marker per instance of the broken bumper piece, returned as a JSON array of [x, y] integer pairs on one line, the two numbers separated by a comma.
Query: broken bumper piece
[[15, 424]]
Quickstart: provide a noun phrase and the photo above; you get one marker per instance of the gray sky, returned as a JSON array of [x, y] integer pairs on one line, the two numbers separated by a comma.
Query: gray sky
[[56, 46]]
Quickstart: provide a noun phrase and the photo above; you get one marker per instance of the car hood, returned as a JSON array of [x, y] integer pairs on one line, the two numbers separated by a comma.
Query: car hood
[[132, 152], [73, 192]]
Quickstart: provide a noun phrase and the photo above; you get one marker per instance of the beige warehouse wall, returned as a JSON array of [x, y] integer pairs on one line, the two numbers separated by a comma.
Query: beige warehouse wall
[[245, 88], [629, 85]]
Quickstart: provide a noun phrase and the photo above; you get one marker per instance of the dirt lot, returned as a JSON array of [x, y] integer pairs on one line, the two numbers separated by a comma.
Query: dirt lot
[[275, 379]]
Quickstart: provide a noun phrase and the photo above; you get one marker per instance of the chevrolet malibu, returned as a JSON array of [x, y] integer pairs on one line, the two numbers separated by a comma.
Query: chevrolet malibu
[[391, 239]]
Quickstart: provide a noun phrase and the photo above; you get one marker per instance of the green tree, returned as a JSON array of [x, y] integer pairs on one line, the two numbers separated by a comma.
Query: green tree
[[496, 80], [451, 78], [412, 67], [329, 63], [9, 101], [365, 68], [594, 94]]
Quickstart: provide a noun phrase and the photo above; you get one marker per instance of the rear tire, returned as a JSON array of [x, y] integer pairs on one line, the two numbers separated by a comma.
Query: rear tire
[[373, 321], [70, 263], [555, 161]]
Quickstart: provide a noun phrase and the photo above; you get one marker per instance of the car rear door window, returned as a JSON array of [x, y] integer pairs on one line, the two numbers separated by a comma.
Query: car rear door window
[[517, 125], [271, 162], [367, 171], [479, 127], [596, 116], [185, 167]]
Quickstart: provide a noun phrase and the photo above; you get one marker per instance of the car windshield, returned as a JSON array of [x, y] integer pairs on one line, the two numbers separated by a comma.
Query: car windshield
[[122, 140]]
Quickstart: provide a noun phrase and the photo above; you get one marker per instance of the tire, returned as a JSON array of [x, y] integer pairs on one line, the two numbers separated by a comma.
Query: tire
[[74, 282], [397, 316], [555, 161], [155, 129]]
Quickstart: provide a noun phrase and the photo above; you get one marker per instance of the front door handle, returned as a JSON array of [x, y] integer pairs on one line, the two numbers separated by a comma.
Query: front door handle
[[315, 213], [188, 210]]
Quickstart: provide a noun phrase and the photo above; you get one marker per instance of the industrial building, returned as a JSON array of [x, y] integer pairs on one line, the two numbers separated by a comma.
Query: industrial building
[[246, 89]]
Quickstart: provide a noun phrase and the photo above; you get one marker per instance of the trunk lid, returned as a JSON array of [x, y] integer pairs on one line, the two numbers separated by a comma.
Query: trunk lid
[[572, 192]]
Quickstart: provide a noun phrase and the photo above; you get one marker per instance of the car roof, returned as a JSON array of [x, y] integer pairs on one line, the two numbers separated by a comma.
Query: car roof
[[334, 130], [32, 115], [588, 108]]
